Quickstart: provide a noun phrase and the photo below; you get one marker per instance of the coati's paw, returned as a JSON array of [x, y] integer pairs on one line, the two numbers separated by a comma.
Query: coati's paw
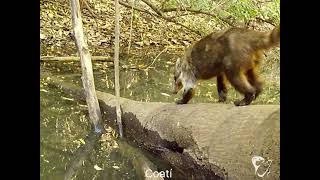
[[246, 100], [239, 103], [222, 99], [242, 102], [256, 95], [180, 101]]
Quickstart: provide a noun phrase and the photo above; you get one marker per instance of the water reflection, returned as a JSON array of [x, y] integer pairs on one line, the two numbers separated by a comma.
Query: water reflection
[[69, 149], [66, 148]]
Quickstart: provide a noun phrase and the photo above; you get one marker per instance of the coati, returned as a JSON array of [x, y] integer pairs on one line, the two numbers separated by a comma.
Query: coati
[[232, 55]]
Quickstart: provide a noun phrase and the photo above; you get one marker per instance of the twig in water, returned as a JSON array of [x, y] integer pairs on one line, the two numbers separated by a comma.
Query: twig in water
[[165, 49]]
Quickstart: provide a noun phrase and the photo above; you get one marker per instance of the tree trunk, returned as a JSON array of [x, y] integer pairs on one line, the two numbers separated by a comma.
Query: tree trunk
[[205, 141], [116, 66], [86, 66]]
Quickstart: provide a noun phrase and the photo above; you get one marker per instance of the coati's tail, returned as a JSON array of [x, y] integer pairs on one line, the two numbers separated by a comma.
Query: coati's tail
[[269, 39]]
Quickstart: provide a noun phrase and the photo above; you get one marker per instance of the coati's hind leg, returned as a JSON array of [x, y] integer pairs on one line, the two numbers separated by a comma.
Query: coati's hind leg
[[186, 96], [253, 79], [240, 83], [222, 89]]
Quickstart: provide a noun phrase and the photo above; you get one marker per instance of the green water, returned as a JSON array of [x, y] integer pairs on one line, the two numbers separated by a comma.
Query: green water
[[64, 125]]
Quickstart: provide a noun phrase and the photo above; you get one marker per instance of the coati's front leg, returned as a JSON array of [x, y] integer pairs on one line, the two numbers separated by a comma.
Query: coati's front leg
[[186, 96], [221, 87]]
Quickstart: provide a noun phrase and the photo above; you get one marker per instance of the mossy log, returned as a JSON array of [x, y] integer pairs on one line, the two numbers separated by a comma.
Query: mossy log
[[203, 140]]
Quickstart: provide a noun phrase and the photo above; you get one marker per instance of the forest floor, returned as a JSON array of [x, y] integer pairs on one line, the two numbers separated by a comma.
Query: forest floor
[[145, 32]]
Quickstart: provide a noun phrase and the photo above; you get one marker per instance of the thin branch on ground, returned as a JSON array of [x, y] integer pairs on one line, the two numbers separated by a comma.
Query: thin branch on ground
[[198, 12], [88, 8], [131, 21], [74, 58], [154, 8], [266, 21], [162, 17]]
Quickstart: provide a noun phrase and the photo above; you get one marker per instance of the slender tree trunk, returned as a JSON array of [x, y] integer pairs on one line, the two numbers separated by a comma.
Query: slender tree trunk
[[116, 66], [86, 66]]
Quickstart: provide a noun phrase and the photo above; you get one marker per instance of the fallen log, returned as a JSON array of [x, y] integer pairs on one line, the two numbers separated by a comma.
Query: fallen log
[[205, 141]]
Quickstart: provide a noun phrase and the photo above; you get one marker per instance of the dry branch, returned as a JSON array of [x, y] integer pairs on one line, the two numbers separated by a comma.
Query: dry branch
[[131, 21], [161, 11], [266, 21], [154, 8], [162, 17], [198, 12], [135, 8], [75, 58], [88, 8], [165, 49]]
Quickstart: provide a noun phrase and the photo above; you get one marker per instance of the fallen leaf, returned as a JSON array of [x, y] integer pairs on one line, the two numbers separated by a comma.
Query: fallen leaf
[[165, 94], [42, 36], [43, 90], [69, 99], [50, 15], [116, 167], [139, 43], [96, 167], [82, 141]]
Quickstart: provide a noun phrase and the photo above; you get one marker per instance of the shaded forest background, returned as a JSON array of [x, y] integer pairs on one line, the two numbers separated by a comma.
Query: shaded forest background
[[151, 25]]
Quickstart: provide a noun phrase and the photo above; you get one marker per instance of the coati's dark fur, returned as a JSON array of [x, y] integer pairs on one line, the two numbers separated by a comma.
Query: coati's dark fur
[[231, 55]]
